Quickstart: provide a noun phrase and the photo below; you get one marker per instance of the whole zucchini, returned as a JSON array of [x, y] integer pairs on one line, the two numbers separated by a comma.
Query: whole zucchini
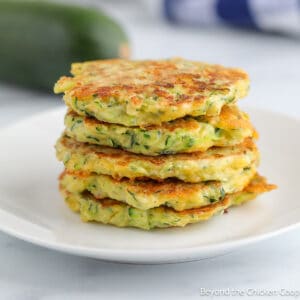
[[39, 40]]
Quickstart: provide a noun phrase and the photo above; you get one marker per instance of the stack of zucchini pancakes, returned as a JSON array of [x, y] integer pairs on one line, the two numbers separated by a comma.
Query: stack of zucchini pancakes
[[156, 143]]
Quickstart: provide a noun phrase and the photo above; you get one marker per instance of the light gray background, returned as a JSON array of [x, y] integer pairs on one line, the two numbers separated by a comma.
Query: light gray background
[[273, 62]]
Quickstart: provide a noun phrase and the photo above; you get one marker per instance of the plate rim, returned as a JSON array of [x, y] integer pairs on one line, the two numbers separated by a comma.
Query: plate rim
[[148, 256]]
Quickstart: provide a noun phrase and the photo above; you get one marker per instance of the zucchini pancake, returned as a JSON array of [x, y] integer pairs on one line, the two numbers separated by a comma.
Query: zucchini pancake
[[145, 194], [189, 134], [141, 93], [113, 212], [155, 144], [217, 163]]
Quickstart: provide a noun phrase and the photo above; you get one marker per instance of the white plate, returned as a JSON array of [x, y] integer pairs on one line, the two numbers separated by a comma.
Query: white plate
[[32, 209]]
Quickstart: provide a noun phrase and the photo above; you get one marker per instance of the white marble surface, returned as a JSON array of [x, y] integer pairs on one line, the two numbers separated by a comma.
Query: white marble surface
[[31, 272]]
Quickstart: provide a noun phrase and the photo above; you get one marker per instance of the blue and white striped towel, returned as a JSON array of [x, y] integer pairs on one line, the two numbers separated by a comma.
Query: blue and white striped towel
[[282, 16]]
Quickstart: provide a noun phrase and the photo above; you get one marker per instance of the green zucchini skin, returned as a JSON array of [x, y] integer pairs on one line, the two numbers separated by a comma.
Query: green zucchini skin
[[39, 40]]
